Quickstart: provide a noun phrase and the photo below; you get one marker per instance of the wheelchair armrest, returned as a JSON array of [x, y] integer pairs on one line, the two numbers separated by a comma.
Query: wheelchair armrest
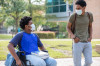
[[20, 52], [45, 51]]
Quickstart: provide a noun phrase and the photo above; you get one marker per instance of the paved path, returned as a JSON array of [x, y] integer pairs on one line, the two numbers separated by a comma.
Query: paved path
[[69, 62], [54, 40]]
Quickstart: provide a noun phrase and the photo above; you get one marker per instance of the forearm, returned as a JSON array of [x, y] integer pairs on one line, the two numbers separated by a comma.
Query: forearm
[[70, 32], [12, 51], [90, 35], [90, 30], [42, 48]]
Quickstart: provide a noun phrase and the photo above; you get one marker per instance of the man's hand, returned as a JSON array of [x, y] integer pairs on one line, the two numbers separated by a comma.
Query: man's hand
[[18, 62], [73, 36], [76, 40], [89, 39]]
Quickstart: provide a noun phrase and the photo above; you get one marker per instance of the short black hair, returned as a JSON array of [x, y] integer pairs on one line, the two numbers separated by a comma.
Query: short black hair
[[24, 21], [82, 3]]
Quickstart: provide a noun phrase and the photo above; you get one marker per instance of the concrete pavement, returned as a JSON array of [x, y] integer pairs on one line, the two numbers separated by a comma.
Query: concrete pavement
[[69, 62]]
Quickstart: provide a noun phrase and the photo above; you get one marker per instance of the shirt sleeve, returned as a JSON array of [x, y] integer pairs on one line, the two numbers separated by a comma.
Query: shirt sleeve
[[91, 17], [17, 39], [39, 42], [72, 18]]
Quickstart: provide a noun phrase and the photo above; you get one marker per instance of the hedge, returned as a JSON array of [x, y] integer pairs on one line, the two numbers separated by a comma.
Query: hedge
[[45, 34]]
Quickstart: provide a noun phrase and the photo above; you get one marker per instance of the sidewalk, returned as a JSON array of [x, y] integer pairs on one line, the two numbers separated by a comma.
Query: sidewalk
[[69, 62], [54, 40]]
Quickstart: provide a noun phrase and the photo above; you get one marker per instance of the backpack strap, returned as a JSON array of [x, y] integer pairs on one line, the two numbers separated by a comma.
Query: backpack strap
[[89, 22], [88, 16], [73, 24]]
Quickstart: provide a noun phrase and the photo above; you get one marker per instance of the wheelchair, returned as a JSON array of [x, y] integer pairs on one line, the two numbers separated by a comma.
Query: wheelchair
[[22, 58]]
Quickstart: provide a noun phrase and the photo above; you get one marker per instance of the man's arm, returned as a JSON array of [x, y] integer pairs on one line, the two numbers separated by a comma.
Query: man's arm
[[40, 45], [90, 32], [13, 53], [13, 43], [90, 27], [76, 39], [69, 30], [42, 48]]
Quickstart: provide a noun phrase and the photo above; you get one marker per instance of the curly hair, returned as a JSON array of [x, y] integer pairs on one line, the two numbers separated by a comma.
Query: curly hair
[[24, 21], [82, 3]]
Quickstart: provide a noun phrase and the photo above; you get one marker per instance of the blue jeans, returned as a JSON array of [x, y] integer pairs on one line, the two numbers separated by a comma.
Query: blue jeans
[[37, 61], [86, 49]]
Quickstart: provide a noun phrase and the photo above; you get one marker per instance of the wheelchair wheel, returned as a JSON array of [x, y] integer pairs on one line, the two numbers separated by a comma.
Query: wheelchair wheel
[[14, 63]]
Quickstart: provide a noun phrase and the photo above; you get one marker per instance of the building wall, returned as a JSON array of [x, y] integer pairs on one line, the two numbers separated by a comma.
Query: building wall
[[94, 7], [58, 9]]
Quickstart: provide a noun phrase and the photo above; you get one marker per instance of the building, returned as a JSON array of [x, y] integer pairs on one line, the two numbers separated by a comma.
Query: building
[[94, 7], [59, 10], [62, 10]]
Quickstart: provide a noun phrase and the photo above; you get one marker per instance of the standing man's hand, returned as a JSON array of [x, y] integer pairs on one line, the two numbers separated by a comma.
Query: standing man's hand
[[76, 39], [89, 39], [18, 62]]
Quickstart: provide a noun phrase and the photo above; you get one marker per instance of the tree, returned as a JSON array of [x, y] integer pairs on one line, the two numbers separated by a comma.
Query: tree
[[9, 22], [70, 1], [2, 12], [15, 8], [37, 12]]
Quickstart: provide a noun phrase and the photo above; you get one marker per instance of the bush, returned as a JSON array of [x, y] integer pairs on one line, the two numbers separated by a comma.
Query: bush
[[45, 34]]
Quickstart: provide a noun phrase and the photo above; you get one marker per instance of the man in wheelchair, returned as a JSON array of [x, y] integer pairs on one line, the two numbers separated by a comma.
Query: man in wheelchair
[[29, 42]]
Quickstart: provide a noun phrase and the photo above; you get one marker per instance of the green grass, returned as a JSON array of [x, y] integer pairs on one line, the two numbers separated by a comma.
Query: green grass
[[3, 49], [55, 54], [56, 48], [4, 36]]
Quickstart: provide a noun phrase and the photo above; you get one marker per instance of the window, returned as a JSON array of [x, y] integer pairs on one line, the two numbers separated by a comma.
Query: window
[[63, 8], [55, 2], [55, 9], [48, 2], [54, 6], [62, 2], [49, 9]]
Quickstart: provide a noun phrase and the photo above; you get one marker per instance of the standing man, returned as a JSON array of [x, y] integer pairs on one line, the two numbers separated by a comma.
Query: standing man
[[82, 34]]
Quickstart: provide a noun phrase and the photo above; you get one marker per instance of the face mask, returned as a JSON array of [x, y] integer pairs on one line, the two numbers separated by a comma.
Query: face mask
[[33, 27], [79, 12]]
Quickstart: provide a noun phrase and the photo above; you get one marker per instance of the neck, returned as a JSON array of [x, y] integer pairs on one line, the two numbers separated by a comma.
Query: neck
[[83, 13], [27, 31]]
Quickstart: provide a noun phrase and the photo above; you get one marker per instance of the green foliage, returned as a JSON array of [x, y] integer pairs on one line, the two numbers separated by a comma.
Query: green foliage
[[70, 1], [62, 26], [10, 21], [3, 15], [51, 24], [13, 9], [46, 35]]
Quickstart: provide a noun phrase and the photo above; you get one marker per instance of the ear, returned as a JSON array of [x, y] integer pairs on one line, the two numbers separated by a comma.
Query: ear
[[26, 26], [84, 7]]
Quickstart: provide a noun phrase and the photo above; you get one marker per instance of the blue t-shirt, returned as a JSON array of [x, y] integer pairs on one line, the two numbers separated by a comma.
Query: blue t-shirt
[[18, 37]]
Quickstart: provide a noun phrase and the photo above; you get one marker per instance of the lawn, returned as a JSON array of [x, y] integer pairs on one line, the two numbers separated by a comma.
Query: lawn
[[5, 36], [57, 49]]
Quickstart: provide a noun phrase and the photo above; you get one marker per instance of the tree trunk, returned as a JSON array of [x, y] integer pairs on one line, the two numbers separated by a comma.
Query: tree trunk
[[16, 30], [1, 24], [30, 8]]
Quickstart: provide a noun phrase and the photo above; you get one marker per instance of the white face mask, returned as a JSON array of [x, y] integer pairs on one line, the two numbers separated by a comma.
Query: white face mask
[[33, 27], [79, 12]]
